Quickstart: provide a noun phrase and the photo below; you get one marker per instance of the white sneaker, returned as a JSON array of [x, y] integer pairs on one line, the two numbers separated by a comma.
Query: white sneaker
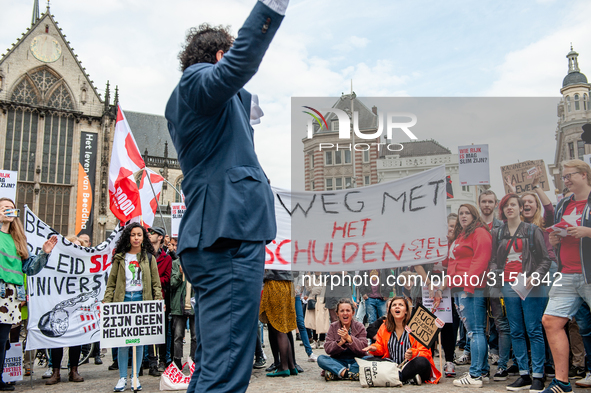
[[585, 382], [120, 385], [468, 382], [312, 357], [450, 370], [314, 344], [48, 373], [464, 359], [321, 344]]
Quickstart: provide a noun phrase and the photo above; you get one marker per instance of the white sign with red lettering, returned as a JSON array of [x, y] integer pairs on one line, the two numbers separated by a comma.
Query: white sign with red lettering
[[13, 363], [397, 223], [178, 210], [474, 165], [8, 181]]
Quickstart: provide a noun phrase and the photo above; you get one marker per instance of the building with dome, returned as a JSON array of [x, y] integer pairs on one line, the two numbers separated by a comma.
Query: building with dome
[[573, 113]]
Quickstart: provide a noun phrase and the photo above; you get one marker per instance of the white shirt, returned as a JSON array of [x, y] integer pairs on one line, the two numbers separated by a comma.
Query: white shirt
[[133, 279]]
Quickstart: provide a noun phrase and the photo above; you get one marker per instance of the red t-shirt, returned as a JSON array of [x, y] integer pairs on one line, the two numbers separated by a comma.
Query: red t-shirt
[[570, 256], [514, 260], [490, 225]]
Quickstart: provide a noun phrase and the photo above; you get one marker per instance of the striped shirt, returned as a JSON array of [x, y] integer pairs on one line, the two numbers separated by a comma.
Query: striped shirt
[[398, 347]]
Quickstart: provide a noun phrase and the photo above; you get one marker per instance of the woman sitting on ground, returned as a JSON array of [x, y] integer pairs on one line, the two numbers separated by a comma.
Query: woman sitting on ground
[[345, 341], [395, 344]]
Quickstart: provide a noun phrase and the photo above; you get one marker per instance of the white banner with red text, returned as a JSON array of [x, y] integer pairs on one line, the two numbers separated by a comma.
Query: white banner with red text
[[64, 296], [392, 224]]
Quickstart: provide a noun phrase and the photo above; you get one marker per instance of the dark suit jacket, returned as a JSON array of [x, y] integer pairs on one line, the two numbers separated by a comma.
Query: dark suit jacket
[[227, 194]]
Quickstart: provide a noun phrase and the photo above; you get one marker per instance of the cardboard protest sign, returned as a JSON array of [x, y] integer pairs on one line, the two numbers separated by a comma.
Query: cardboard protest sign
[[132, 323], [8, 181], [64, 296], [522, 175], [424, 325], [13, 363], [443, 311], [390, 224], [178, 210], [474, 165]]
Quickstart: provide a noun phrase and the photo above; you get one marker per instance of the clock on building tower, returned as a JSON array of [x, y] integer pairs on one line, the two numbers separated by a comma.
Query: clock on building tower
[[46, 48]]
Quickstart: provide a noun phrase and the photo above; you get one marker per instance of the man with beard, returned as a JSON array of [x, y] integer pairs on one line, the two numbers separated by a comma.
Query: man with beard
[[500, 342]]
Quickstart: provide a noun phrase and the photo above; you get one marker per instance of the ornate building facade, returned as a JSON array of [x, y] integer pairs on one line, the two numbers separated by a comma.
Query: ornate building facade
[[50, 112], [573, 113]]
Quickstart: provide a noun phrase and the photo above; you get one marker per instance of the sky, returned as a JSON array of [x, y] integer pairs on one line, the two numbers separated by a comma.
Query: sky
[[388, 48]]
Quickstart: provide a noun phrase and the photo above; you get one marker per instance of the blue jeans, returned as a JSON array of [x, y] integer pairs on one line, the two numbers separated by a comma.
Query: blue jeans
[[301, 325], [503, 331], [123, 353], [526, 316], [472, 311], [583, 317], [336, 366], [227, 282], [374, 308]]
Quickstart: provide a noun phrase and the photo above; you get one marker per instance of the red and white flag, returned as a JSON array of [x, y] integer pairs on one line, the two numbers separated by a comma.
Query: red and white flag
[[149, 201], [125, 161]]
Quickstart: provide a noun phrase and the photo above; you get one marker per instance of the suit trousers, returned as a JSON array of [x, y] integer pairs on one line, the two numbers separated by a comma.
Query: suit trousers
[[227, 282]]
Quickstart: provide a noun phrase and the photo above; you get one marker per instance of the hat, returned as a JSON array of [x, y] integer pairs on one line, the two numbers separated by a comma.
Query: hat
[[158, 230]]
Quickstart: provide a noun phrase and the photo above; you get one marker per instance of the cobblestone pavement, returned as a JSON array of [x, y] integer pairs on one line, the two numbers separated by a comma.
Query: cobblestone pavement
[[100, 379]]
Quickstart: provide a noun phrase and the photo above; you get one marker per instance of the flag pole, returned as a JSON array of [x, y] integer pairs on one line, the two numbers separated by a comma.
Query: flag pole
[[155, 197], [174, 188]]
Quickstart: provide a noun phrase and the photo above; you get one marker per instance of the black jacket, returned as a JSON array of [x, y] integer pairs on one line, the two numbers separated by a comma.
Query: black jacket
[[538, 262]]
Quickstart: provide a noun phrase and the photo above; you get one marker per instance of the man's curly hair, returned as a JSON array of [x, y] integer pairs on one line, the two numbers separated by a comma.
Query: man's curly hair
[[203, 42]]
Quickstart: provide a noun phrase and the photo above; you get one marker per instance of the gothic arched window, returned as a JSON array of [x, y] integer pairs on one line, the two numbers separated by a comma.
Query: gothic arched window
[[61, 98], [25, 93], [179, 186]]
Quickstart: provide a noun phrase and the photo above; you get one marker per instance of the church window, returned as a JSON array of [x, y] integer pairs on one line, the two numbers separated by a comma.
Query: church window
[[54, 206], [43, 80], [21, 143], [568, 103], [57, 149], [581, 149], [25, 93], [178, 186], [61, 98], [577, 106]]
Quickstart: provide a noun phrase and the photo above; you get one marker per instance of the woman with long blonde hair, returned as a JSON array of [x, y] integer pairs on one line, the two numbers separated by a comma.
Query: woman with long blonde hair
[[15, 262]]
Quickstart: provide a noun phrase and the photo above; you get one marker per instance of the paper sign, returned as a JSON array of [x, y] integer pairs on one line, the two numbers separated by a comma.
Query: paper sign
[[178, 210], [474, 165], [8, 184], [132, 323], [13, 363], [422, 325], [443, 311], [522, 175], [519, 286]]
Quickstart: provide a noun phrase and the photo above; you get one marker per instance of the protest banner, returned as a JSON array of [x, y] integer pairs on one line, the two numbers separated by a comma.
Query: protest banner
[[443, 311], [397, 223], [178, 210], [8, 181], [13, 363], [64, 297], [132, 323], [86, 183], [521, 175], [424, 325], [474, 165]]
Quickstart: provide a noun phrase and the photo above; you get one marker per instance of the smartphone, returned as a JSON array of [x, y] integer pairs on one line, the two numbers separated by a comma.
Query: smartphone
[[12, 213]]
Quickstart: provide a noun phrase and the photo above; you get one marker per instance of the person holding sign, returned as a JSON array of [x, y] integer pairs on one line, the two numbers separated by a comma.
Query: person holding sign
[[134, 277], [467, 265], [394, 343], [15, 262], [345, 341], [520, 267]]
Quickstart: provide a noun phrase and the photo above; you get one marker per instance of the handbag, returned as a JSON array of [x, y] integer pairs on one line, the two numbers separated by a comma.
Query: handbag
[[374, 373], [311, 304]]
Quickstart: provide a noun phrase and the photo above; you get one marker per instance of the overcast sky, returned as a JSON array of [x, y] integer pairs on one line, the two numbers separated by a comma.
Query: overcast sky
[[389, 48]]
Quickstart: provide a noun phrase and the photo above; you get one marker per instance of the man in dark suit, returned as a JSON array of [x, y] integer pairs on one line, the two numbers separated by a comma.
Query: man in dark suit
[[230, 213]]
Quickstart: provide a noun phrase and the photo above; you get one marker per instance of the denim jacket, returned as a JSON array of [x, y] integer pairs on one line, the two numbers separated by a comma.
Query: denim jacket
[[31, 266]]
